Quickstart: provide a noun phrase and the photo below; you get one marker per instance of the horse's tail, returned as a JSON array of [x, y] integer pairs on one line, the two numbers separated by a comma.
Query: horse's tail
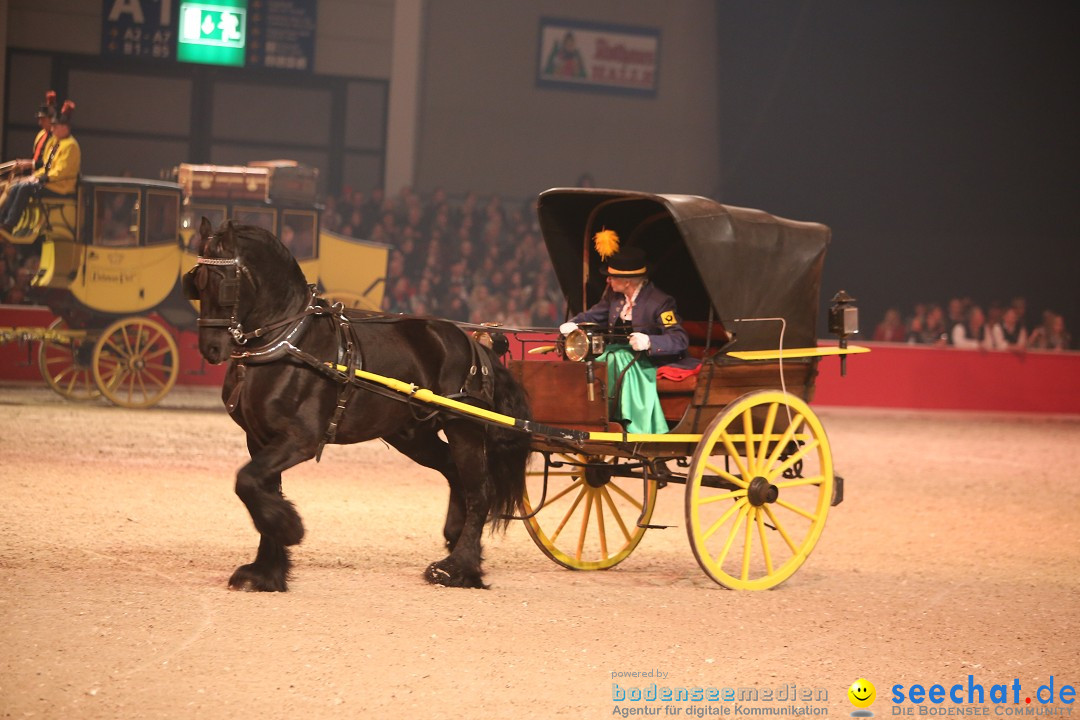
[[507, 449]]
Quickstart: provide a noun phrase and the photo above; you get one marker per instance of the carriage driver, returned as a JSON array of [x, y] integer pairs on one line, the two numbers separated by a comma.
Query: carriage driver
[[631, 301], [57, 175], [45, 114]]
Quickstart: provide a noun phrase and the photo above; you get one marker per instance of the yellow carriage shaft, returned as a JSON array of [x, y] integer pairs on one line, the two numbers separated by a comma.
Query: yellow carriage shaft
[[792, 353], [427, 396]]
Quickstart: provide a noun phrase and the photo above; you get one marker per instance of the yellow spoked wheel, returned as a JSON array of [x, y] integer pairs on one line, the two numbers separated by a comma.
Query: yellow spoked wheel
[[135, 362], [64, 359], [589, 516], [758, 491]]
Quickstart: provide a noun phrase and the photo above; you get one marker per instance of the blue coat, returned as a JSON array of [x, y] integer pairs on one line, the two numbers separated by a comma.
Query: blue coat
[[654, 315]]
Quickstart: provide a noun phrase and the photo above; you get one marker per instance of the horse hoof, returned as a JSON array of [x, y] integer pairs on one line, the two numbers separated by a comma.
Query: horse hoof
[[448, 574], [248, 579]]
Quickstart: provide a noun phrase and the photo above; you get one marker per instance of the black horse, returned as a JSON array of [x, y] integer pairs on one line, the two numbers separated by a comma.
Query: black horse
[[285, 346]]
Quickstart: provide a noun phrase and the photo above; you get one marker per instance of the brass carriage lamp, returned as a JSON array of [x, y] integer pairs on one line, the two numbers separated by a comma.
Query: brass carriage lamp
[[843, 321]]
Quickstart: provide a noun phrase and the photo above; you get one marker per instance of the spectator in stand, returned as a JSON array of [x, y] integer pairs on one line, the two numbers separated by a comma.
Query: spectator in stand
[[928, 330], [544, 313], [454, 309], [958, 310], [891, 329], [994, 313], [330, 218], [918, 318], [423, 301], [1009, 334], [1052, 334], [414, 262], [354, 225], [373, 206], [972, 334], [1019, 304], [388, 222], [398, 300], [395, 267], [513, 315]]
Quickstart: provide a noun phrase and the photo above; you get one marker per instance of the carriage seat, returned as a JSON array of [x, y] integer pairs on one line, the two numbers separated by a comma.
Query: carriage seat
[[676, 393], [699, 333]]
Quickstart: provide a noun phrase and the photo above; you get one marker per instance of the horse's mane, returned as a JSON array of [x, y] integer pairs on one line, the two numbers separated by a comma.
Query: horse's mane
[[254, 238], [260, 250]]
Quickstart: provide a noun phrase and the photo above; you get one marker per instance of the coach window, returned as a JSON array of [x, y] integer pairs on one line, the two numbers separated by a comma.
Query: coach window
[[259, 217], [116, 217], [298, 232], [162, 217]]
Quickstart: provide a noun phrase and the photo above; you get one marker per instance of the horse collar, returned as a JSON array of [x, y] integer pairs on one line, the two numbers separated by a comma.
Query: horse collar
[[287, 340]]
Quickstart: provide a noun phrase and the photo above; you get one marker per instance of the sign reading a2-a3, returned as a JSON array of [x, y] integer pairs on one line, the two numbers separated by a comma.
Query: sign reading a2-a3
[[212, 33]]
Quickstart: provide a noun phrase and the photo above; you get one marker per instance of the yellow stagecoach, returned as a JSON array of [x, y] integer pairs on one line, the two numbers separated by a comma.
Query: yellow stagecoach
[[111, 259]]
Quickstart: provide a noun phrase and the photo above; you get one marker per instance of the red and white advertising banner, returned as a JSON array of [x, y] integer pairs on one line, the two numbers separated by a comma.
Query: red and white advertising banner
[[598, 57]]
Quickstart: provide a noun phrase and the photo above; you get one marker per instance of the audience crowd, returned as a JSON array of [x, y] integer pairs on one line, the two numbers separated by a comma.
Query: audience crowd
[[474, 261], [484, 260], [965, 324]]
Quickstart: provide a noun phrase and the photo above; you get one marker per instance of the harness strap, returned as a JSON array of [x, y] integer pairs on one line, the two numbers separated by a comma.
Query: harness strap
[[479, 383], [349, 356], [234, 396]]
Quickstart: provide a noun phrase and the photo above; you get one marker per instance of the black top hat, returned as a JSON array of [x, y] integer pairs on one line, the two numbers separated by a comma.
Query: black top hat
[[626, 263], [48, 108]]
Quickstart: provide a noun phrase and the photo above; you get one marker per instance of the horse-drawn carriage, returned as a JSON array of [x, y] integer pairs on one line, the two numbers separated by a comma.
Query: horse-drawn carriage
[[111, 259], [754, 457]]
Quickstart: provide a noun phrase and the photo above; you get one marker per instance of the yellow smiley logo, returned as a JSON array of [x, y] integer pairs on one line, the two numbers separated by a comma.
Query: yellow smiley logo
[[862, 693]]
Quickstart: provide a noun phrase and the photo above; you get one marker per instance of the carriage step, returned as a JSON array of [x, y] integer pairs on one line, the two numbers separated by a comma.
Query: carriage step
[[837, 491], [656, 527]]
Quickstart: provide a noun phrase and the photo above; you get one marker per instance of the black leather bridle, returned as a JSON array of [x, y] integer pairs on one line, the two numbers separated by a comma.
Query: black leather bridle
[[195, 282]]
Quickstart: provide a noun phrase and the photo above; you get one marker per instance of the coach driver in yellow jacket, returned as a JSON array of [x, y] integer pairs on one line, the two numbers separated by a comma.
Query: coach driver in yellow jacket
[[57, 177]]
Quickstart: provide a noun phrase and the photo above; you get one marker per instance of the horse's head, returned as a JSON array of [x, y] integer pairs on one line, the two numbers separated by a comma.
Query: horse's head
[[244, 279]]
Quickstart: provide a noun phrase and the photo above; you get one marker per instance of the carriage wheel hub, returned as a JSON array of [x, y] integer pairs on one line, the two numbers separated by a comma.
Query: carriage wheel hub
[[761, 491], [598, 476]]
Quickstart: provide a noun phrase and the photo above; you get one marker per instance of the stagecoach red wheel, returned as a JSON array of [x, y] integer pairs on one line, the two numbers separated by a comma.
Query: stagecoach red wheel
[[64, 359], [589, 516], [135, 362]]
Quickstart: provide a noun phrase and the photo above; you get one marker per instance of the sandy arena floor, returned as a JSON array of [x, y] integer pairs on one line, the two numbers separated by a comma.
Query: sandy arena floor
[[955, 553]]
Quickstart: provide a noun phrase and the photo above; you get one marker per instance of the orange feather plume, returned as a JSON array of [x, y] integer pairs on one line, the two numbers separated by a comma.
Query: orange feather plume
[[606, 243]]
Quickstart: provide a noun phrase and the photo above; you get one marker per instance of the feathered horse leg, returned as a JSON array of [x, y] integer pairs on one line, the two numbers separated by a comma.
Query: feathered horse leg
[[258, 484]]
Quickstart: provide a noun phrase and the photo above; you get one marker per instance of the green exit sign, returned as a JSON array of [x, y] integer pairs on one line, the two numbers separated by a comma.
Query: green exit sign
[[213, 33]]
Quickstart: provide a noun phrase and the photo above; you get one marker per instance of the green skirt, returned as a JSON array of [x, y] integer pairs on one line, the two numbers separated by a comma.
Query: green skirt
[[638, 401]]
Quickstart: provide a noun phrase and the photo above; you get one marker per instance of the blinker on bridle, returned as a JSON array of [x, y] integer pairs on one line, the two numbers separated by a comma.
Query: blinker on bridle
[[228, 295]]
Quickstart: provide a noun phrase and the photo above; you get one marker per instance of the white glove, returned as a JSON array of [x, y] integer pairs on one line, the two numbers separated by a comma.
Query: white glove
[[640, 341], [567, 327]]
